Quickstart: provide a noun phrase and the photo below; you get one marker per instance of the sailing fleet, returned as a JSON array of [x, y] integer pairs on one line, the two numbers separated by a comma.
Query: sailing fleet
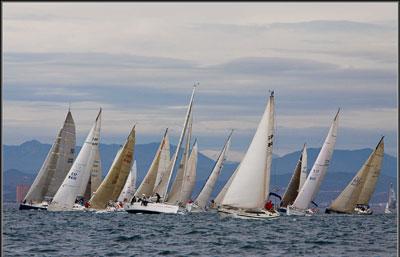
[[66, 183]]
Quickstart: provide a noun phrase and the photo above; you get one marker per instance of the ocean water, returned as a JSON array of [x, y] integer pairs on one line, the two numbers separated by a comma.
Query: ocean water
[[41, 233]]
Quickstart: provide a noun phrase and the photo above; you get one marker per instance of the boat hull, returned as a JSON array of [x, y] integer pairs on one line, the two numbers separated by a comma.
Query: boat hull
[[330, 211], [23, 206], [290, 210], [245, 214], [152, 208]]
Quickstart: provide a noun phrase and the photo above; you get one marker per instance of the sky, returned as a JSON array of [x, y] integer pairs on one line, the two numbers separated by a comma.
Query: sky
[[139, 61]]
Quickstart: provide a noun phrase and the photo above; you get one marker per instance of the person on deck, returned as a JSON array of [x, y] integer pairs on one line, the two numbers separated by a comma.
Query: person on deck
[[158, 198], [268, 205]]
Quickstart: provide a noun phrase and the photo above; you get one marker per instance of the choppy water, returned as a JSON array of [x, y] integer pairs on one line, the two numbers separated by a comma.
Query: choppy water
[[41, 233]]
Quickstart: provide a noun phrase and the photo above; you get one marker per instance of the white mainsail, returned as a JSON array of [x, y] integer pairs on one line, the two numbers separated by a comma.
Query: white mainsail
[[349, 197], [56, 165], [317, 173], [248, 188], [112, 185], [178, 147], [189, 178], [205, 193], [130, 185], [66, 195], [149, 181]]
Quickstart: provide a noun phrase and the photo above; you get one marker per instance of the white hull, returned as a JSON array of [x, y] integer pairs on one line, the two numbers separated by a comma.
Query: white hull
[[360, 211], [388, 211], [152, 208], [246, 214], [292, 211]]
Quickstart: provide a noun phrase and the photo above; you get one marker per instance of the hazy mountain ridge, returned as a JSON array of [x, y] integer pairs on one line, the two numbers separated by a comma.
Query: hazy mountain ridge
[[22, 162]]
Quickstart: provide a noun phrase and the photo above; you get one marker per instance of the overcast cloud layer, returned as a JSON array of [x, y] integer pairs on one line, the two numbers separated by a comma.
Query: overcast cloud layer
[[139, 61]]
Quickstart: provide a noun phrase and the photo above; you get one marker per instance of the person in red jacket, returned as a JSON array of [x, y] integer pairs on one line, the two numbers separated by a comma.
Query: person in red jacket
[[268, 205]]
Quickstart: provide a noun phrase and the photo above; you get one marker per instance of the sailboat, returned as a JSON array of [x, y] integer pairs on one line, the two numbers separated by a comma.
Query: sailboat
[[357, 193], [54, 169], [74, 184], [248, 188], [296, 182], [201, 202], [392, 203], [112, 185], [162, 205], [317, 174], [94, 179], [130, 185]]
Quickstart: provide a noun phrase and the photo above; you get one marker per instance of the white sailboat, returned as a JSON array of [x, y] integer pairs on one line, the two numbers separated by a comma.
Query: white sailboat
[[189, 178], [248, 188], [312, 184], [162, 188], [94, 179], [391, 203], [201, 202], [130, 186], [54, 169], [296, 182], [352, 195], [112, 185], [79, 173]]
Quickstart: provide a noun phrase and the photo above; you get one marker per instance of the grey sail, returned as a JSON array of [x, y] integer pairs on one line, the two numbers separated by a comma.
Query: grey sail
[[95, 177], [293, 188], [56, 165]]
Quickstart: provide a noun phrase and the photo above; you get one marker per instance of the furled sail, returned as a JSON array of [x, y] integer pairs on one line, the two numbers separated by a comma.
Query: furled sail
[[205, 193], [294, 185], [248, 188], [112, 185], [349, 197], [178, 147], [149, 181], [130, 185], [317, 173], [56, 165], [66, 195], [189, 178], [373, 175]]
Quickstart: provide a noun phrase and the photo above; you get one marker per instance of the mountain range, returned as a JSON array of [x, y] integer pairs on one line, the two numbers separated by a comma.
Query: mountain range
[[22, 162]]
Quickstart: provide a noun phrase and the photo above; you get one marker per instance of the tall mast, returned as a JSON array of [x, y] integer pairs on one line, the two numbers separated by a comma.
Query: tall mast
[[189, 110]]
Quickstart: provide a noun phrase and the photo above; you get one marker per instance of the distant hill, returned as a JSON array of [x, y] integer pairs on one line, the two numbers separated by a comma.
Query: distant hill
[[22, 162]]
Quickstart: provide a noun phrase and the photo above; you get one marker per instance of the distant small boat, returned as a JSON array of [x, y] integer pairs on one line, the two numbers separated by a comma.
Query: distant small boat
[[391, 203], [54, 169], [201, 202], [247, 190], [75, 183], [112, 185], [296, 182], [355, 197], [311, 186]]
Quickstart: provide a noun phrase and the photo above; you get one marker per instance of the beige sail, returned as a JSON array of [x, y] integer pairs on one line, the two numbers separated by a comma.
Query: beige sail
[[149, 181], [189, 178], [162, 186], [373, 175], [165, 160], [349, 197], [175, 193], [112, 185]]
